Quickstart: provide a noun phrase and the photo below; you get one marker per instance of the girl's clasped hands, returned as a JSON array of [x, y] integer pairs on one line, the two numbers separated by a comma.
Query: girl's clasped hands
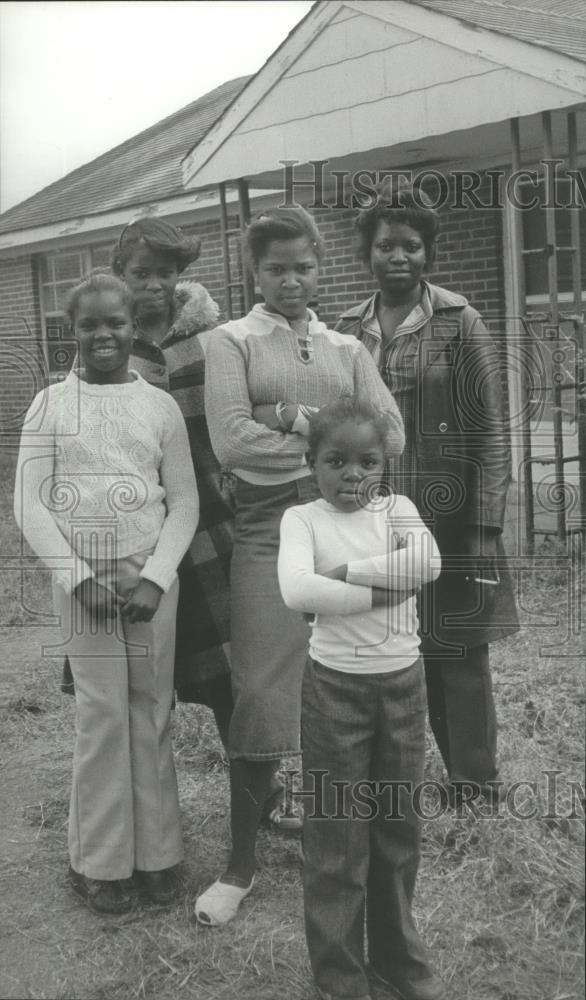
[[103, 603]]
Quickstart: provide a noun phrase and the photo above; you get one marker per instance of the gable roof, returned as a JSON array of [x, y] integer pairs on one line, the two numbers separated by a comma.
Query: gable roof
[[145, 168], [367, 76], [559, 25]]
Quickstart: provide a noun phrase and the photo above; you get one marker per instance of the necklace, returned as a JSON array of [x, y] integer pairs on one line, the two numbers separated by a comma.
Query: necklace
[[304, 339]]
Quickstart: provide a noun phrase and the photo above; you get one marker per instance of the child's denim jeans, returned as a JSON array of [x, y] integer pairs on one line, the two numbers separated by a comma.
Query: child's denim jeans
[[361, 842]]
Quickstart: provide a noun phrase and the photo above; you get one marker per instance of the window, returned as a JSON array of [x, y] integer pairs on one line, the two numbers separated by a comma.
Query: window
[[555, 347], [58, 273], [534, 238]]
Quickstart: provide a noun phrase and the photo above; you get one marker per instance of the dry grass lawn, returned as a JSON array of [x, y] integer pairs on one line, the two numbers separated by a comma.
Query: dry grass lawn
[[500, 899]]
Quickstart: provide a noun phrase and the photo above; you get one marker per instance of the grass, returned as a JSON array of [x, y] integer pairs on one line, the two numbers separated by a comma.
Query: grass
[[499, 900]]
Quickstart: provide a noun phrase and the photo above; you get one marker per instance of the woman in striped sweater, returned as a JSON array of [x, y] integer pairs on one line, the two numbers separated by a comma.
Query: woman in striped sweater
[[266, 373]]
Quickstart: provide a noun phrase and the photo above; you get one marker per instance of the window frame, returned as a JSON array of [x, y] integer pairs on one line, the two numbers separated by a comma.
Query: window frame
[[46, 263], [542, 298]]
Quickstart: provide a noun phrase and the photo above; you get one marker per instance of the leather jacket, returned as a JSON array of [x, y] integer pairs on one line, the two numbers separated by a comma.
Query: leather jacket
[[461, 450]]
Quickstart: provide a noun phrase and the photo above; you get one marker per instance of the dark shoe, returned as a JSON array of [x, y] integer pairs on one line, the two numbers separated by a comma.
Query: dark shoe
[[279, 813], [101, 895], [430, 988], [160, 887], [67, 684], [494, 793], [474, 794]]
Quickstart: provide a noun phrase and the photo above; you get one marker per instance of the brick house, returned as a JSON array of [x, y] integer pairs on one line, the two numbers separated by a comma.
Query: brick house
[[484, 103], [51, 239], [464, 94]]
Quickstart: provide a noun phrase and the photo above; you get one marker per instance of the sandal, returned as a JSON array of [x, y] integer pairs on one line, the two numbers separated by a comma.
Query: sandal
[[220, 903]]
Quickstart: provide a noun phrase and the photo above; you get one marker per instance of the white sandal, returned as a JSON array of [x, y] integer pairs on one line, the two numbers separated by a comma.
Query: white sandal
[[219, 904]]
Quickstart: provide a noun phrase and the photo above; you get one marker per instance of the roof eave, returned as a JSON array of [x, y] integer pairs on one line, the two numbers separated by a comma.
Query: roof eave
[[37, 239]]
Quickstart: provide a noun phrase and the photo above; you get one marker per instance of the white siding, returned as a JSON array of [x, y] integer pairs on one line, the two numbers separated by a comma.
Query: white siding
[[362, 82], [346, 36], [403, 69], [389, 121]]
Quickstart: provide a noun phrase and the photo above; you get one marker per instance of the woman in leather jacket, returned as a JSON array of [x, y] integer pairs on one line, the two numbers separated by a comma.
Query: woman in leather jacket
[[444, 370]]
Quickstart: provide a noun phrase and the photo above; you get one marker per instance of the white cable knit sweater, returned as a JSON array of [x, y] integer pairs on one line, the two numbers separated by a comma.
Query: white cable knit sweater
[[105, 471]]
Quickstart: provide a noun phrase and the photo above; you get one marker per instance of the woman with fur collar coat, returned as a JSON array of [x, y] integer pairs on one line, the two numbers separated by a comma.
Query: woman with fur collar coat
[[177, 364], [168, 351]]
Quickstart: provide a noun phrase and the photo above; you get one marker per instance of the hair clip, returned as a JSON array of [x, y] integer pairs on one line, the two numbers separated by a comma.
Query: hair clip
[[123, 233]]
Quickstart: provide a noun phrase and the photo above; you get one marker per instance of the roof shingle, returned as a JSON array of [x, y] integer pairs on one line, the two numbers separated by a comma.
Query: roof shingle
[[144, 168], [559, 25]]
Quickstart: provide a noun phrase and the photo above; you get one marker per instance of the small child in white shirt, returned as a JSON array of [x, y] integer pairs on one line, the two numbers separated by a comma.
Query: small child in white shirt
[[355, 560], [106, 496]]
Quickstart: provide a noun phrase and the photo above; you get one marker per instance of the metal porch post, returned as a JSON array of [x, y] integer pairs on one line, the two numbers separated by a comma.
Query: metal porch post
[[552, 289], [580, 368], [245, 283], [527, 470], [244, 218]]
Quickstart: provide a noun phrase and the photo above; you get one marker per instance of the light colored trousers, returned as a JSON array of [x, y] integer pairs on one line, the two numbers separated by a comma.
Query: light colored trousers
[[124, 810]]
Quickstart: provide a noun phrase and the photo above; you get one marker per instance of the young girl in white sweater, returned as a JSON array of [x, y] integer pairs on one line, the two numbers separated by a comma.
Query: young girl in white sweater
[[106, 496], [355, 560]]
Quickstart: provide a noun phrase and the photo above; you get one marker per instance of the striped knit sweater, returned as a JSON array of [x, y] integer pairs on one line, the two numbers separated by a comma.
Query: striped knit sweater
[[258, 360]]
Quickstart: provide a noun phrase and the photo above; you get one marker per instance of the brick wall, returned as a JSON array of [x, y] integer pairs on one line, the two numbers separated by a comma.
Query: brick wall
[[22, 369], [469, 260], [209, 268]]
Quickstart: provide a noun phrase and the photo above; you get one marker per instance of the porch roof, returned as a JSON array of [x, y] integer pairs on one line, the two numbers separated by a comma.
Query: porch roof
[[377, 84]]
